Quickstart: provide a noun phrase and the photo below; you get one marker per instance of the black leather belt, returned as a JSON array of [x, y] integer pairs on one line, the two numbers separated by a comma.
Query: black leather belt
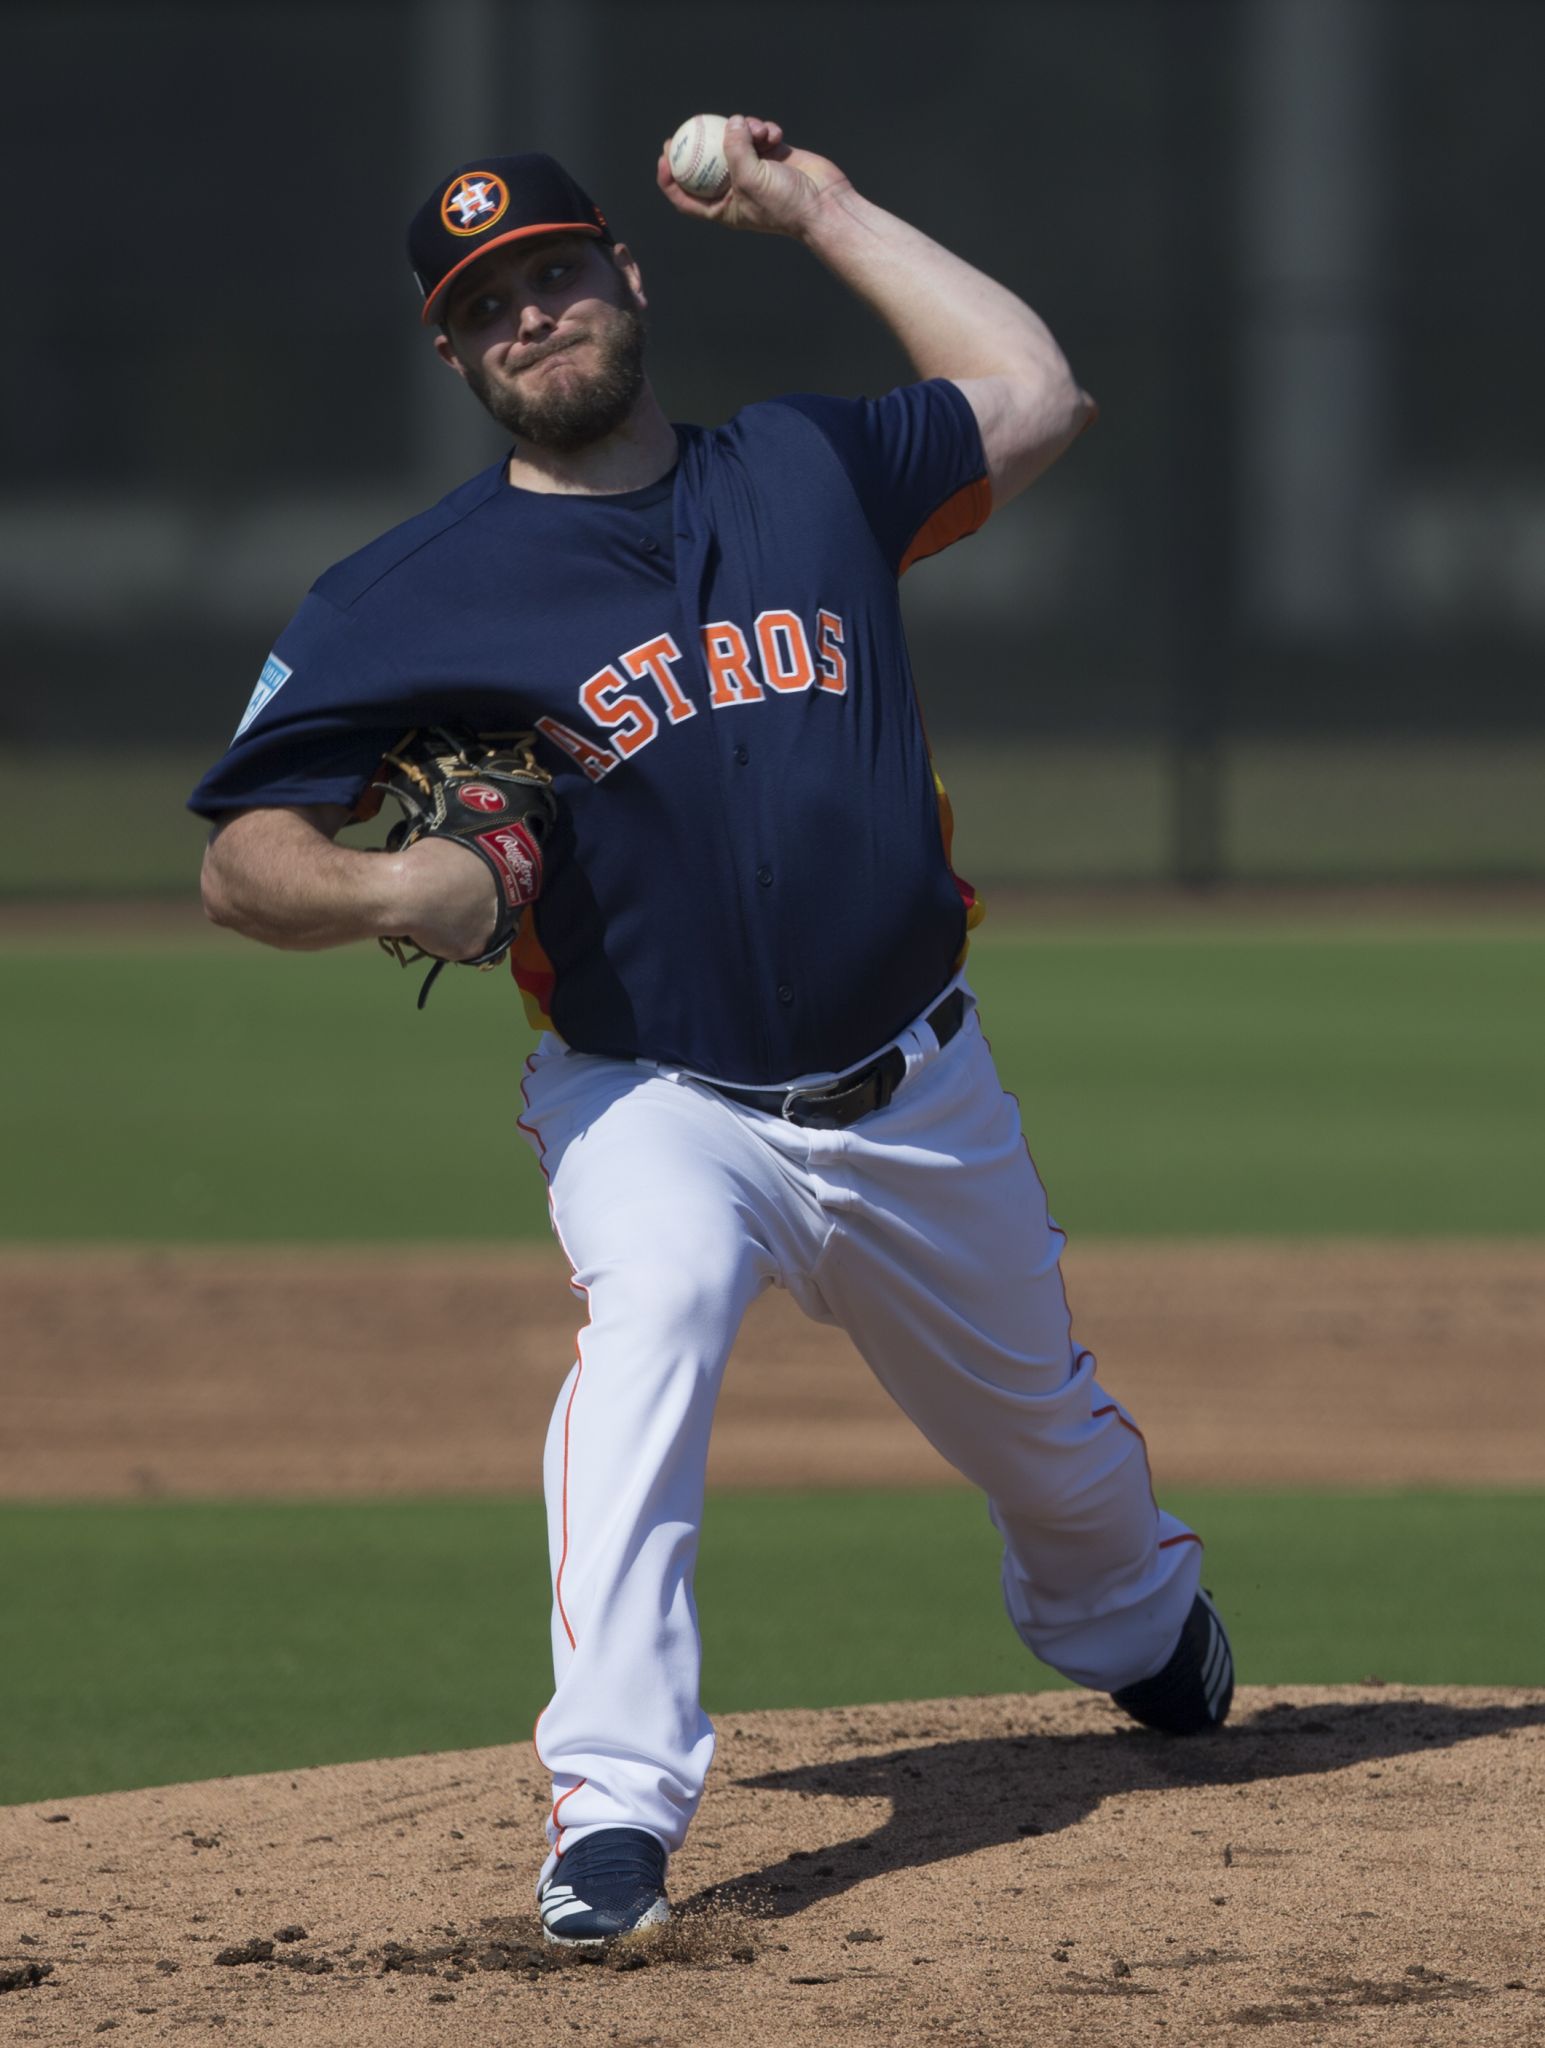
[[840, 1103]]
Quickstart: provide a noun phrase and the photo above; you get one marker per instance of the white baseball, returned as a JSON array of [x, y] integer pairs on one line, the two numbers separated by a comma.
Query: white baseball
[[696, 157]]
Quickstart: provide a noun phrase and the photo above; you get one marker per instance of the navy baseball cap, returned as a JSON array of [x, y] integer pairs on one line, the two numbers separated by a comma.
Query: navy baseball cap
[[489, 202]]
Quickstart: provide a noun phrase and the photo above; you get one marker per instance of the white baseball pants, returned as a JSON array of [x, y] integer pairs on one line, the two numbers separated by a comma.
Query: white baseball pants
[[923, 1232]]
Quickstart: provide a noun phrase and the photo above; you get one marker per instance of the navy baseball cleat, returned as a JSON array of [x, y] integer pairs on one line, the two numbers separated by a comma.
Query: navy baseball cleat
[[609, 1883], [1194, 1689]]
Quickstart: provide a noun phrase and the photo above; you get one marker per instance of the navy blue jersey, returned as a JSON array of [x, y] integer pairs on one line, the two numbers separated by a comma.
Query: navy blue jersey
[[751, 873]]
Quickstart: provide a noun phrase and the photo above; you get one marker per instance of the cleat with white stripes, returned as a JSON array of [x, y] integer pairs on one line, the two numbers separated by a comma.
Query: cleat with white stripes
[[1194, 1689], [609, 1883]]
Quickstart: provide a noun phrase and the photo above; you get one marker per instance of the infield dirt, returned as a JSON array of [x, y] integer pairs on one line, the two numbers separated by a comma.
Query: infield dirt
[[221, 1373]]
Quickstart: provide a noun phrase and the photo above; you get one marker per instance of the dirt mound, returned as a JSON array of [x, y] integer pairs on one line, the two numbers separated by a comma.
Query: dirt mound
[[1360, 1862], [221, 1373]]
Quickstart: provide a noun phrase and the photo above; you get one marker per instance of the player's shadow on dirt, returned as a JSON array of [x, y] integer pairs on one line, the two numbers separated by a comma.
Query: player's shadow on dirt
[[950, 1798]]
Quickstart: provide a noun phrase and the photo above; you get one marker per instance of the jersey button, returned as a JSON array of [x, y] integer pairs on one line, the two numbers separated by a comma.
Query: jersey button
[[742, 755], [785, 993], [650, 545], [764, 876]]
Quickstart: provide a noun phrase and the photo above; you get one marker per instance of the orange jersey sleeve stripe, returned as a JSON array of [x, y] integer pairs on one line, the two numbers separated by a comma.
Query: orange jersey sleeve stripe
[[976, 908], [534, 975], [956, 517], [946, 816]]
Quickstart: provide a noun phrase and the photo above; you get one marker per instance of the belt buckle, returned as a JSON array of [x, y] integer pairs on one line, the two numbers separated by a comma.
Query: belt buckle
[[876, 1073], [794, 1095]]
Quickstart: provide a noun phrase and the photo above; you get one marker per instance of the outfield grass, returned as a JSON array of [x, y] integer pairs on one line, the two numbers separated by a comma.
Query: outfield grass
[[149, 1644], [1348, 1081]]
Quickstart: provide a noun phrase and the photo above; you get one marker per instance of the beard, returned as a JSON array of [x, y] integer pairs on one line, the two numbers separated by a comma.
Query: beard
[[574, 417]]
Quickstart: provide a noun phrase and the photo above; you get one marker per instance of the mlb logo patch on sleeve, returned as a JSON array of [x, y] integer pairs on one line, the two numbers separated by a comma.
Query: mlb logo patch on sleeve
[[273, 679]]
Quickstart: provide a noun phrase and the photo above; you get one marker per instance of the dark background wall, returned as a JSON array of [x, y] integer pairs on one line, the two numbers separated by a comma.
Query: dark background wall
[[1290, 245]]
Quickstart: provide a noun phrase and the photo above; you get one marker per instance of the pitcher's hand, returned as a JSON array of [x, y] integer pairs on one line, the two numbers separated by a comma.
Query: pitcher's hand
[[774, 190], [445, 899]]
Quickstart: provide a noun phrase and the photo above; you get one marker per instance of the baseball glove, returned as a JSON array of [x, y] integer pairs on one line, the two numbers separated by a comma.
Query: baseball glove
[[488, 793]]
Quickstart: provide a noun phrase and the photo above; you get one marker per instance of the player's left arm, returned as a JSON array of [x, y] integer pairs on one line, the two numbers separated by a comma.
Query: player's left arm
[[952, 319]]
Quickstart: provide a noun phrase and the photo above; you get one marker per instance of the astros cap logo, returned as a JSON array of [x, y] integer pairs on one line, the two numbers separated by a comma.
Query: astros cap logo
[[474, 201]]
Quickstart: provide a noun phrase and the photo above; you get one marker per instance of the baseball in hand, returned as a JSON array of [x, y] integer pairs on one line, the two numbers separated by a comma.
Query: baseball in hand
[[696, 157]]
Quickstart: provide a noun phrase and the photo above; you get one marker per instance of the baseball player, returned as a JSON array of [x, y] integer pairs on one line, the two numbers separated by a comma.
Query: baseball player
[[760, 1062]]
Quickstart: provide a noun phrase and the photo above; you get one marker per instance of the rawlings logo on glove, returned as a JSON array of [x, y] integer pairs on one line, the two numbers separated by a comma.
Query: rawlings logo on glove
[[516, 859], [450, 783]]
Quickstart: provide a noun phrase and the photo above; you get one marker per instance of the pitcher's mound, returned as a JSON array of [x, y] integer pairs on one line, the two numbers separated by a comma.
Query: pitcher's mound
[[1362, 1861]]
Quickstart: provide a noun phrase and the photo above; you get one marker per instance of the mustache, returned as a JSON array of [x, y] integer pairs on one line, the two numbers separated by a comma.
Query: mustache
[[543, 349]]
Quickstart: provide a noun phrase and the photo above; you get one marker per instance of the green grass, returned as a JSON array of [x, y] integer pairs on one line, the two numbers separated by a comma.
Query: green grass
[[154, 1643], [1361, 1084], [226, 1092], [1359, 1080]]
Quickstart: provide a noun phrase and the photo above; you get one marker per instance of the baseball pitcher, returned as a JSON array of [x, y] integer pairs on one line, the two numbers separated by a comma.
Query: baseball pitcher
[[642, 694]]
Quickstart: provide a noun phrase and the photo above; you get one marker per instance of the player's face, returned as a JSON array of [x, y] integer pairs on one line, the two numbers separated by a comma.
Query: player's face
[[550, 337]]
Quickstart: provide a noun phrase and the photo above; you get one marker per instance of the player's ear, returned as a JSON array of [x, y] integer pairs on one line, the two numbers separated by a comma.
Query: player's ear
[[448, 355], [629, 271]]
